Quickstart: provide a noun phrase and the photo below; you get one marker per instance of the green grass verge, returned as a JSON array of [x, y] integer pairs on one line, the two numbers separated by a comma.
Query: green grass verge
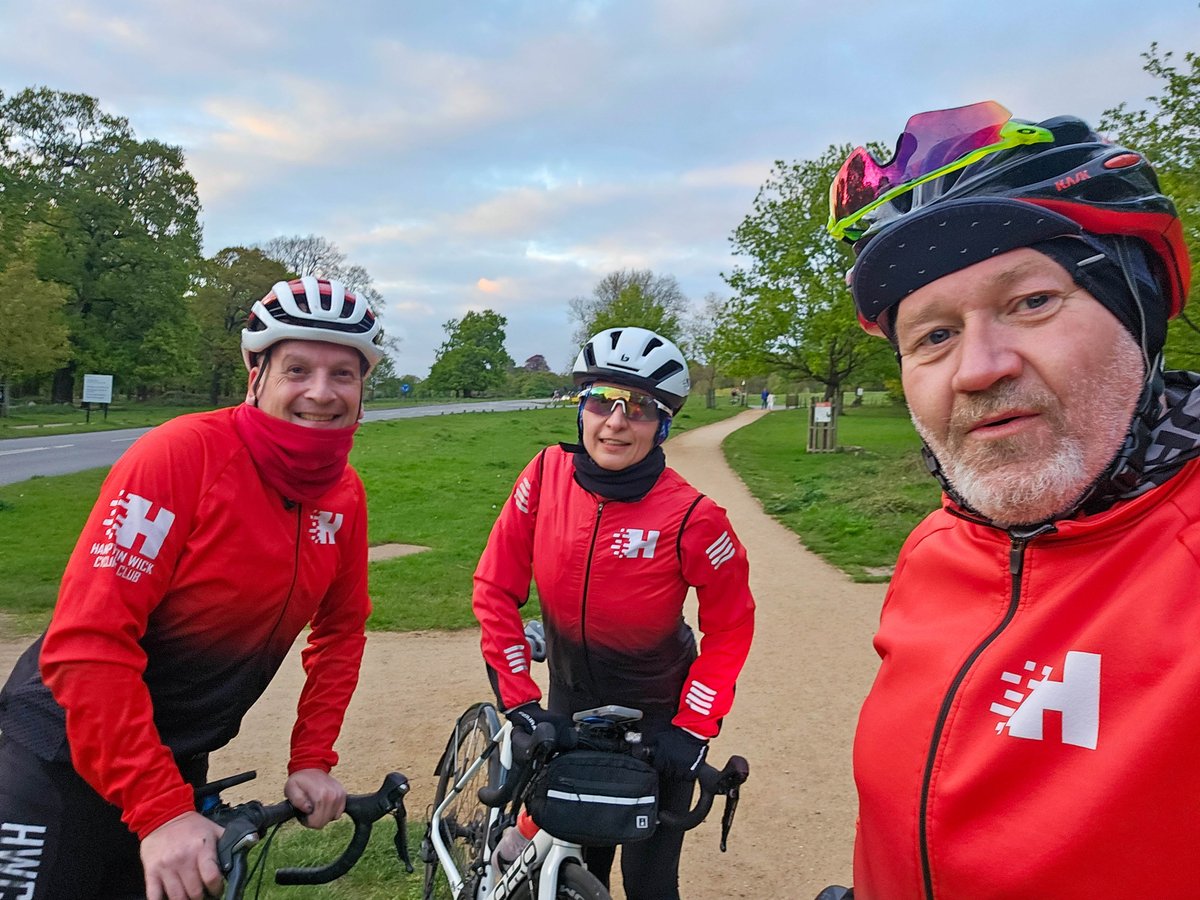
[[437, 481], [854, 507], [61, 418], [379, 875]]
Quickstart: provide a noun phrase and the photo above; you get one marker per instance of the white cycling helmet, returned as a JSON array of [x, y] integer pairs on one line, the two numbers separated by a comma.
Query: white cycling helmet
[[312, 309], [636, 357]]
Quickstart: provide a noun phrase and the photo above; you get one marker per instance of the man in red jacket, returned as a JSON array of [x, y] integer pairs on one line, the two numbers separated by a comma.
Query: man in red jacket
[[614, 538], [216, 539], [1032, 730]]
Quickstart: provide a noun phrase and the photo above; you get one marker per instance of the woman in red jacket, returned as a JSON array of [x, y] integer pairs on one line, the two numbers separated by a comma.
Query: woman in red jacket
[[614, 539]]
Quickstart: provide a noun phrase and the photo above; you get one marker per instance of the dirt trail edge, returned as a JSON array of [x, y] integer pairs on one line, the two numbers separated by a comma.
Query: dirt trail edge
[[794, 716]]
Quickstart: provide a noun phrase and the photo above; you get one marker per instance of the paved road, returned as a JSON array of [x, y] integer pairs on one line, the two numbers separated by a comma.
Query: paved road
[[61, 454]]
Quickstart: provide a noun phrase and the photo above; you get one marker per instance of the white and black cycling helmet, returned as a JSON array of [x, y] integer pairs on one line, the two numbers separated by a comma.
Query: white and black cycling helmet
[[636, 357], [312, 309]]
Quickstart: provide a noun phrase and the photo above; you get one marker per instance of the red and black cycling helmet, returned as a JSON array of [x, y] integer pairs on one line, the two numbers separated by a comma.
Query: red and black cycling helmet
[[969, 183], [312, 309]]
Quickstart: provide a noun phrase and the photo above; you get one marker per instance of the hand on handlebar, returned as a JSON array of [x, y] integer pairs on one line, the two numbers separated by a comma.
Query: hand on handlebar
[[180, 859], [679, 754], [319, 798], [529, 715]]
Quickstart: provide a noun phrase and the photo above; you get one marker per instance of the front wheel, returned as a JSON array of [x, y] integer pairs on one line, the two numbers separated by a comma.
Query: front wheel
[[577, 883], [464, 825]]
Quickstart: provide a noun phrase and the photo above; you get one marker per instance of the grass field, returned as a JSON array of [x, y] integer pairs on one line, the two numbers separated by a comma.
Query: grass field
[[60, 418], [854, 507], [379, 875], [438, 482]]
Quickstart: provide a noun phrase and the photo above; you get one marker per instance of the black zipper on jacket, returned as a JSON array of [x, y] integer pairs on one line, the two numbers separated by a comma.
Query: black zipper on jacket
[[1020, 539], [587, 577], [287, 600]]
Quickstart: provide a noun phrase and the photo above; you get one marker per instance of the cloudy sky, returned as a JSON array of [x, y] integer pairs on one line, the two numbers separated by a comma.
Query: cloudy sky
[[508, 154]]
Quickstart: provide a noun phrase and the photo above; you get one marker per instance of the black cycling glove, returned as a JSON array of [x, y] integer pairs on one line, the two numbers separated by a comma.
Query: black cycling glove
[[678, 754], [529, 715]]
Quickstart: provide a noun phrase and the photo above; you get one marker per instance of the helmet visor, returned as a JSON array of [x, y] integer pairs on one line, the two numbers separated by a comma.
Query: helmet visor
[[932, 144], [637, 407]]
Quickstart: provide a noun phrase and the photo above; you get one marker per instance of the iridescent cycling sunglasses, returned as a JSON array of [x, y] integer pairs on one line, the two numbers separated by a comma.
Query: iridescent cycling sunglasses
[[602, 399], [932, 144]]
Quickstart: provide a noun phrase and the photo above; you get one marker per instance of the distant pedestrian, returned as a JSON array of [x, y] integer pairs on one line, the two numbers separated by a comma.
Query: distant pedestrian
[[765, 395]]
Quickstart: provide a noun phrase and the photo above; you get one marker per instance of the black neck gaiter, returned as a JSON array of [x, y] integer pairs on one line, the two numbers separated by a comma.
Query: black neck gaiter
[[632, 483]]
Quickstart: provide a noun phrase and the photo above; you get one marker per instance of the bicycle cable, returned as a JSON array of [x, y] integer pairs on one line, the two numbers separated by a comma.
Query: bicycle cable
[[260, 861]]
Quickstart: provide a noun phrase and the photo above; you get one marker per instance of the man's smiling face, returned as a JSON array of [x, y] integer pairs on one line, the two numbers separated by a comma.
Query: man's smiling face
[[310, 383]]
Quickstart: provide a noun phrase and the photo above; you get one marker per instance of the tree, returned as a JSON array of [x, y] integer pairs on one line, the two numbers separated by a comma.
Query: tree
[[631, 297], [473, 357], [383, 380], [792, 312], [536, 363], [33, 340], [230, 284], [117, 223], [700, 341], [1168, 133], [312, 254]]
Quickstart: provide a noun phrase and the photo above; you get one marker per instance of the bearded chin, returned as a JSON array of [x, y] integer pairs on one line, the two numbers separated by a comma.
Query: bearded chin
[[1010, 494]]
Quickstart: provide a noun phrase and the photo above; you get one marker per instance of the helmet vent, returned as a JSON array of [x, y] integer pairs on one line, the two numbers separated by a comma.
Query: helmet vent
[[665, 371], [650, 345], [614, 337]]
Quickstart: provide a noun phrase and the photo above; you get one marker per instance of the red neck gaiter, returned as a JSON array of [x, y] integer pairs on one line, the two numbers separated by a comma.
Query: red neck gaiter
[[301, 463]]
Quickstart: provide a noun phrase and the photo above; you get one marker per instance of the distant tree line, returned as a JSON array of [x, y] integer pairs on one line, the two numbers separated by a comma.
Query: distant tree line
[[101, 267], [101, 270]]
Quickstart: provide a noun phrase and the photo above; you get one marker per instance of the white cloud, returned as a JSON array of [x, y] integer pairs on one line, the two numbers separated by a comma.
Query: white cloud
[[509, 155]]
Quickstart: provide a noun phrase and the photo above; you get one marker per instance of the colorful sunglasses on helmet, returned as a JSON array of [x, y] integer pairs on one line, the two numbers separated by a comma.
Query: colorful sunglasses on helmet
[[932, 144], [637, 407]]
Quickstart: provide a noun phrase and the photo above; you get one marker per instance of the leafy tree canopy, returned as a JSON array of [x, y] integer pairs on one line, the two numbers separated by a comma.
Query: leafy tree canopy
[[631, 297], [792, 312], [1167, 131], [115, 221], [473, 358], [312, 254]]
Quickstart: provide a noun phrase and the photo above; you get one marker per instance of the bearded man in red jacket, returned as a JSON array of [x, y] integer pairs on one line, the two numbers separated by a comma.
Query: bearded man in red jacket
[[1032, 730]]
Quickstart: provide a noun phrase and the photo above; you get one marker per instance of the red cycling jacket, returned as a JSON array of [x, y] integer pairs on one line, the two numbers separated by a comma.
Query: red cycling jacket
[[1034, 727], [611, 578], [188, 586]]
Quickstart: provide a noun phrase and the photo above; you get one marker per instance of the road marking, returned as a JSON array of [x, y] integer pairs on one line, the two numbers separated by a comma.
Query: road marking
[[35, 449], [122, 440]]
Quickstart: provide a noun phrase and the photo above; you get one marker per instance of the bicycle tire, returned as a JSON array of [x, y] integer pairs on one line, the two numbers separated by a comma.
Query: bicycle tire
[[464, 825], [575, 883]]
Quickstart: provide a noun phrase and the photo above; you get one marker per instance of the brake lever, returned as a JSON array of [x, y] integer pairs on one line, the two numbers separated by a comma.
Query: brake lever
[[731, 803], [401, 838]]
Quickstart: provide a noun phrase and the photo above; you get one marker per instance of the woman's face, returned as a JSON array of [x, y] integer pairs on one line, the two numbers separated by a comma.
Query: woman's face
[[613, 439]]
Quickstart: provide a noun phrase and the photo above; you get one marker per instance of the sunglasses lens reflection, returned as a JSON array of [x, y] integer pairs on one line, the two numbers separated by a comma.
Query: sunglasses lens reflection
[[930, 141], [636, 407]]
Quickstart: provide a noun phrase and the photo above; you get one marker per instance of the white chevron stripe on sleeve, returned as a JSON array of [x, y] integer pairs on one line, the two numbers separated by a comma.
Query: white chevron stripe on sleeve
[[721, 550], [521, 495], [516, 658], [700, 698]]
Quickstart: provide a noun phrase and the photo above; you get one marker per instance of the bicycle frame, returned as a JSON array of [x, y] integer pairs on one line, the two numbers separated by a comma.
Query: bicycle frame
[[544, 852]]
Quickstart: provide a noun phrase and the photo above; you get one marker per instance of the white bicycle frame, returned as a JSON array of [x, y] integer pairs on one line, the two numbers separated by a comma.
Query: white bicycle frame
[[544, 851]]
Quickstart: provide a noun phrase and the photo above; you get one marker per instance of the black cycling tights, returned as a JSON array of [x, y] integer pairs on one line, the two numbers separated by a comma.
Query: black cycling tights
[[649, 868], [58, 839]]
